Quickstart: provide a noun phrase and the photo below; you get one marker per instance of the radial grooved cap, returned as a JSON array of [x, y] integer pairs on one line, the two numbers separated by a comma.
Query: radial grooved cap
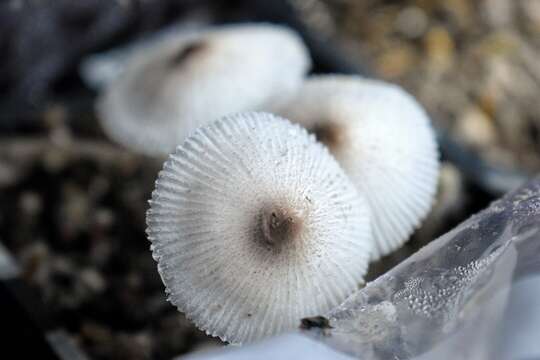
[[383, 140], [255, 226]]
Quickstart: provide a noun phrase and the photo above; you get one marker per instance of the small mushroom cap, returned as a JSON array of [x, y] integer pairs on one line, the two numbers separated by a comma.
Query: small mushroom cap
[[383, 140], [255, 226], [187, 80]]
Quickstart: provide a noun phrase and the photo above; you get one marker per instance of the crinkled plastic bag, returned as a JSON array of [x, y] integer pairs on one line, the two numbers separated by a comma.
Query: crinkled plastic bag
[[447, 301]]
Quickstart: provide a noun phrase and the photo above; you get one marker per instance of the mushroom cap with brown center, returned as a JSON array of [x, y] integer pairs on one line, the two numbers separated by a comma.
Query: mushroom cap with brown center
[[255, 226], [170, 88], [383, 140]]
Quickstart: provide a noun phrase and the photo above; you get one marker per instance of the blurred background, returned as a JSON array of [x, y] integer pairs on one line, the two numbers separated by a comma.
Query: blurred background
[[77, 277]]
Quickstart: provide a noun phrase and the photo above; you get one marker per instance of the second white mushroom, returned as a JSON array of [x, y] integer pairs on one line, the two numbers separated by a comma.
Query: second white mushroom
[[383, 139]]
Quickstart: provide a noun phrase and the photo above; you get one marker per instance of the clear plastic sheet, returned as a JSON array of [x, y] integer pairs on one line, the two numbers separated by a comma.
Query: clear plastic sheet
[[447, 301]]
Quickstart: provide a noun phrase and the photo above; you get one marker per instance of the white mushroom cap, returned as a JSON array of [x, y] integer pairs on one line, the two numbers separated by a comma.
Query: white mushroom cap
[[384, 141], [185, 81], [254, 226]]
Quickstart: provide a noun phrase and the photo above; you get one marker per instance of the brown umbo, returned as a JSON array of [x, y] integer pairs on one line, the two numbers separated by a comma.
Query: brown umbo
[[280, 225]]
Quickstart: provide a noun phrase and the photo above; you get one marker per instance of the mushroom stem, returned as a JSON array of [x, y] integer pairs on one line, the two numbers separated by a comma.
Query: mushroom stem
[[279, 225]]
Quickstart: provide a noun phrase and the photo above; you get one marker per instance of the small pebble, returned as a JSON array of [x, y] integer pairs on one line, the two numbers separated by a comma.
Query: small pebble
[[30, 203], [92, 279], [412, 22], [440, 48], [476, 128]]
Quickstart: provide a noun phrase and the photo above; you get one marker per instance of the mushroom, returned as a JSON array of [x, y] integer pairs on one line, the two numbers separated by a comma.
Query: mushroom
[[178, 84], [255, 226], [383, 140]]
